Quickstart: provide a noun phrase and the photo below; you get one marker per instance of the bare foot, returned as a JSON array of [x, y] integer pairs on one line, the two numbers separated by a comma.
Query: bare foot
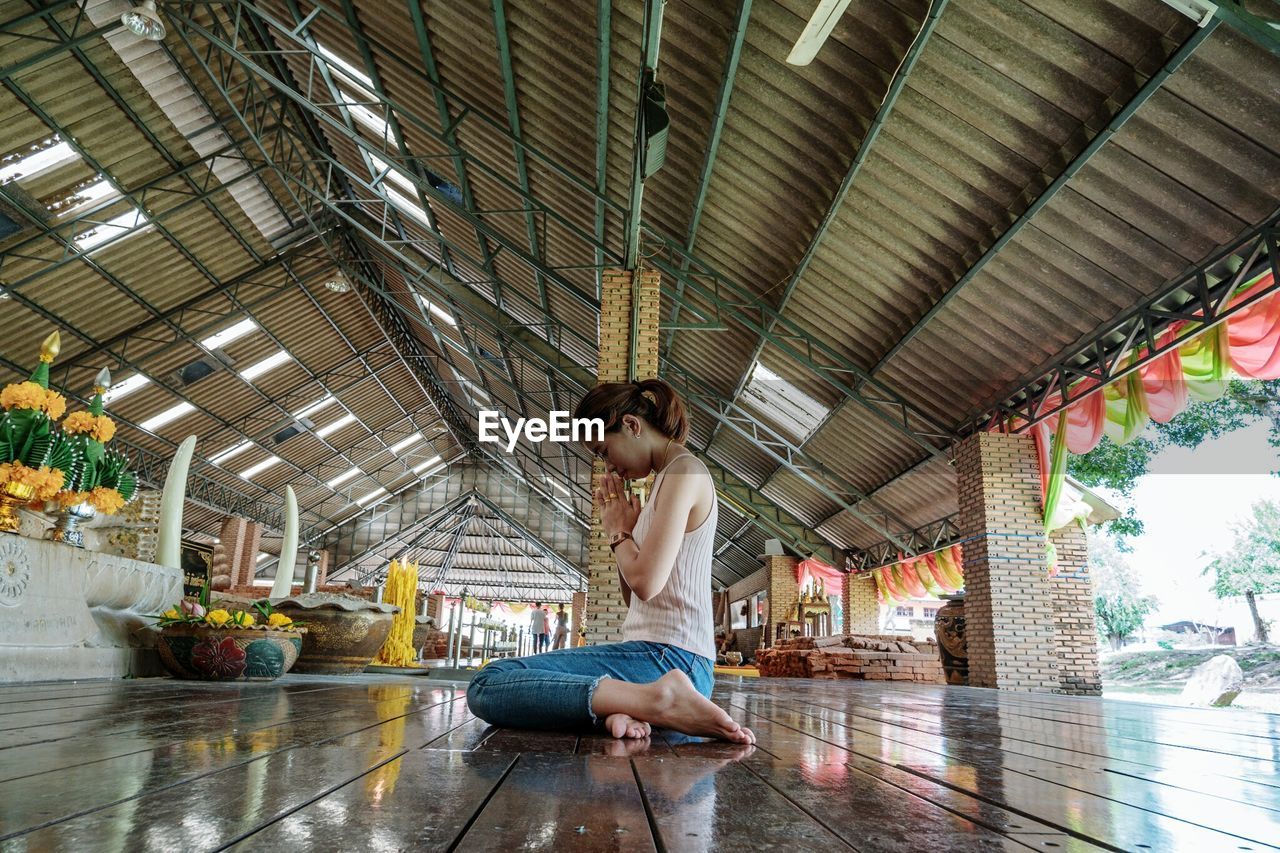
[[623, 725], [679, 706]]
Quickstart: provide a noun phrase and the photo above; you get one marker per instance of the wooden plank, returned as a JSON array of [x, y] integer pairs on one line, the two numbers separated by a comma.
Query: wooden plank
[[466, 736], [1093, 818], [563, 803], [715, 804], [887, 809], [232, 801], [60, 794], [525, 740], [622, 747], [1066, 748], [422, 800], [100, 724]]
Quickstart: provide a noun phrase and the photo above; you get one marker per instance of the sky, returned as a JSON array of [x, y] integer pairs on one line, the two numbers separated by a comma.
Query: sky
[[1189, 501]]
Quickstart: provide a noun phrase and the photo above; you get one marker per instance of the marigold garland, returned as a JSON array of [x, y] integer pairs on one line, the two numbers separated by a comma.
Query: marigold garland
[[68, 498], [99, 427], [30, 395], [45, 480]]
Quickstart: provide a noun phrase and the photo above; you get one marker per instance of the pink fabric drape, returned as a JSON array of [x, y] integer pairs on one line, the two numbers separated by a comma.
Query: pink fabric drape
[[812, 568], [1253, 335]]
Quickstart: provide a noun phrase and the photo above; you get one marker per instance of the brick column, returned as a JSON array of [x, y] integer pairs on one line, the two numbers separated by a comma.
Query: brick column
[[861, 608], [1008, 603], [435, 609], [579, 608], [784, 592], [606, 612], [236, 552], [1073, 614], [322, 568]]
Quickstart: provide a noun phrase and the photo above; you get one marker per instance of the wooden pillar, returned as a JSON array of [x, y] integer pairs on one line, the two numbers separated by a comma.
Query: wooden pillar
[[1009, 599], [1074, 617], [605, 610]]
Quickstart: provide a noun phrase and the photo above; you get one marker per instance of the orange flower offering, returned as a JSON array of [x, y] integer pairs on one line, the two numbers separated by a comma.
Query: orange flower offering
[[45, 480], [30, 395], [106, 501], [98, 427]]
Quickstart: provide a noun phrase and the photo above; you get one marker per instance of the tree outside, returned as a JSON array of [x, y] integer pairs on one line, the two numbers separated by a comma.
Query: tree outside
[[1251, 567], [1118, 600]]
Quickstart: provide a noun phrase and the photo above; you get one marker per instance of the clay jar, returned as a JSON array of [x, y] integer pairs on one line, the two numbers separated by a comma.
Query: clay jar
[[344, 633]]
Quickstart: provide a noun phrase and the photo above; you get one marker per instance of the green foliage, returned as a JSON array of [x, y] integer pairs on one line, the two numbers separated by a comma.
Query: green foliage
[[1252, 564], [1165, 644], [1118, 467], [1118, 602]]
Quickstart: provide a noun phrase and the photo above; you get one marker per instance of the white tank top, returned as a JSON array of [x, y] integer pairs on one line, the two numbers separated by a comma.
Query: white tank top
[[680, 614]]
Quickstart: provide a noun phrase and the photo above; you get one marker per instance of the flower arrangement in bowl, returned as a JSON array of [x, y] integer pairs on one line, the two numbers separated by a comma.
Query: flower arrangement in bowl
[[224, 643], [33, 455], [99, 480]]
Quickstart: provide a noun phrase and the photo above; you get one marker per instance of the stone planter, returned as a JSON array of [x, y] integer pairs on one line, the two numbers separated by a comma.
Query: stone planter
[[206, 653], [953, 648], [344, 633]]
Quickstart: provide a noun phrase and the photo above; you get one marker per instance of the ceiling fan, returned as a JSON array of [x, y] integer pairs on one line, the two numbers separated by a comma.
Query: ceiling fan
[[815, 33]]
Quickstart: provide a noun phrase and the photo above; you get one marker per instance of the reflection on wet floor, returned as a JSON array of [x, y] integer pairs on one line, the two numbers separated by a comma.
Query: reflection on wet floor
[[395, 763]]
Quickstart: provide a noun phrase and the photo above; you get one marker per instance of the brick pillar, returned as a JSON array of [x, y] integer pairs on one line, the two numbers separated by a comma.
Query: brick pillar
[[249, 547], [1008, 601], [579, 608], [236, 552], [1073, 614], [606, 612], [784, 592], [861, 608], [435, 609]]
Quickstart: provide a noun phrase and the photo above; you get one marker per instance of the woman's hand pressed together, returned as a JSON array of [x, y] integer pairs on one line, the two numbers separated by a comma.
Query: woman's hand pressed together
[[618, 509]]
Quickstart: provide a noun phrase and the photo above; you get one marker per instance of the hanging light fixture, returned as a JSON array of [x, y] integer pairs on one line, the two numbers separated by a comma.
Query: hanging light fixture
[[144, 21], [338, 284]]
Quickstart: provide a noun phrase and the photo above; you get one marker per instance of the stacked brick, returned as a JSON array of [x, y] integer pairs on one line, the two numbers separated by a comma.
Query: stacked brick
[[605, 610], [1009, 601], [871, 658], [1073, 613], [235, 556]]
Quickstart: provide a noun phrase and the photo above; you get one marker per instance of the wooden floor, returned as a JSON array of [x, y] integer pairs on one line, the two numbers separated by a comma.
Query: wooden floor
[[376, 763]]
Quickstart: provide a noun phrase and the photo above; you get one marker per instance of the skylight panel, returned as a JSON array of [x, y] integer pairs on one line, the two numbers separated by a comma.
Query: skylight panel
[[372, 496], [406, 442], [259, 467], [125, 387], [366, 117], [782, 404], [85, 196], [126, 223], [231, 452], [411, 208], [169, 415], [343, 477], [432, 463], [271, 362], [323, 403], [330, 429], [30, 165], [229, 334], [439, 313], [398, 178], [554, 484], [340, 66]]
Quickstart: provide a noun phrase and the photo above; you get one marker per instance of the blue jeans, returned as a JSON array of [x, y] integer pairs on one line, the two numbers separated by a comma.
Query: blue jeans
[[553, 691]]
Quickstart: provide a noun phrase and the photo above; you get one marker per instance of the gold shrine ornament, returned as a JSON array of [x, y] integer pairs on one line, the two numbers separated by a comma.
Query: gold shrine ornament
[[50, 347]]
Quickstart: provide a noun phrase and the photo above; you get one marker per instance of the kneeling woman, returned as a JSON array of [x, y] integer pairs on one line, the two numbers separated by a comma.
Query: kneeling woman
[[662, 674]]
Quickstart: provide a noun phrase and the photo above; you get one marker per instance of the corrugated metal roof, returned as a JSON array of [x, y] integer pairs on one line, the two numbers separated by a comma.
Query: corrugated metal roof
[[1004, 95]]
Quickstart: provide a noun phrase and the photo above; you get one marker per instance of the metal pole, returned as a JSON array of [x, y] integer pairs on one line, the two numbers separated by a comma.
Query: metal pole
[[448, 646], [471, 643]]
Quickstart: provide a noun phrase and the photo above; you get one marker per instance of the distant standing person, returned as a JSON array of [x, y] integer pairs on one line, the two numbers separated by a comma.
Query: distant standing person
[[537, 626], [546, 631], [562, 628]]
